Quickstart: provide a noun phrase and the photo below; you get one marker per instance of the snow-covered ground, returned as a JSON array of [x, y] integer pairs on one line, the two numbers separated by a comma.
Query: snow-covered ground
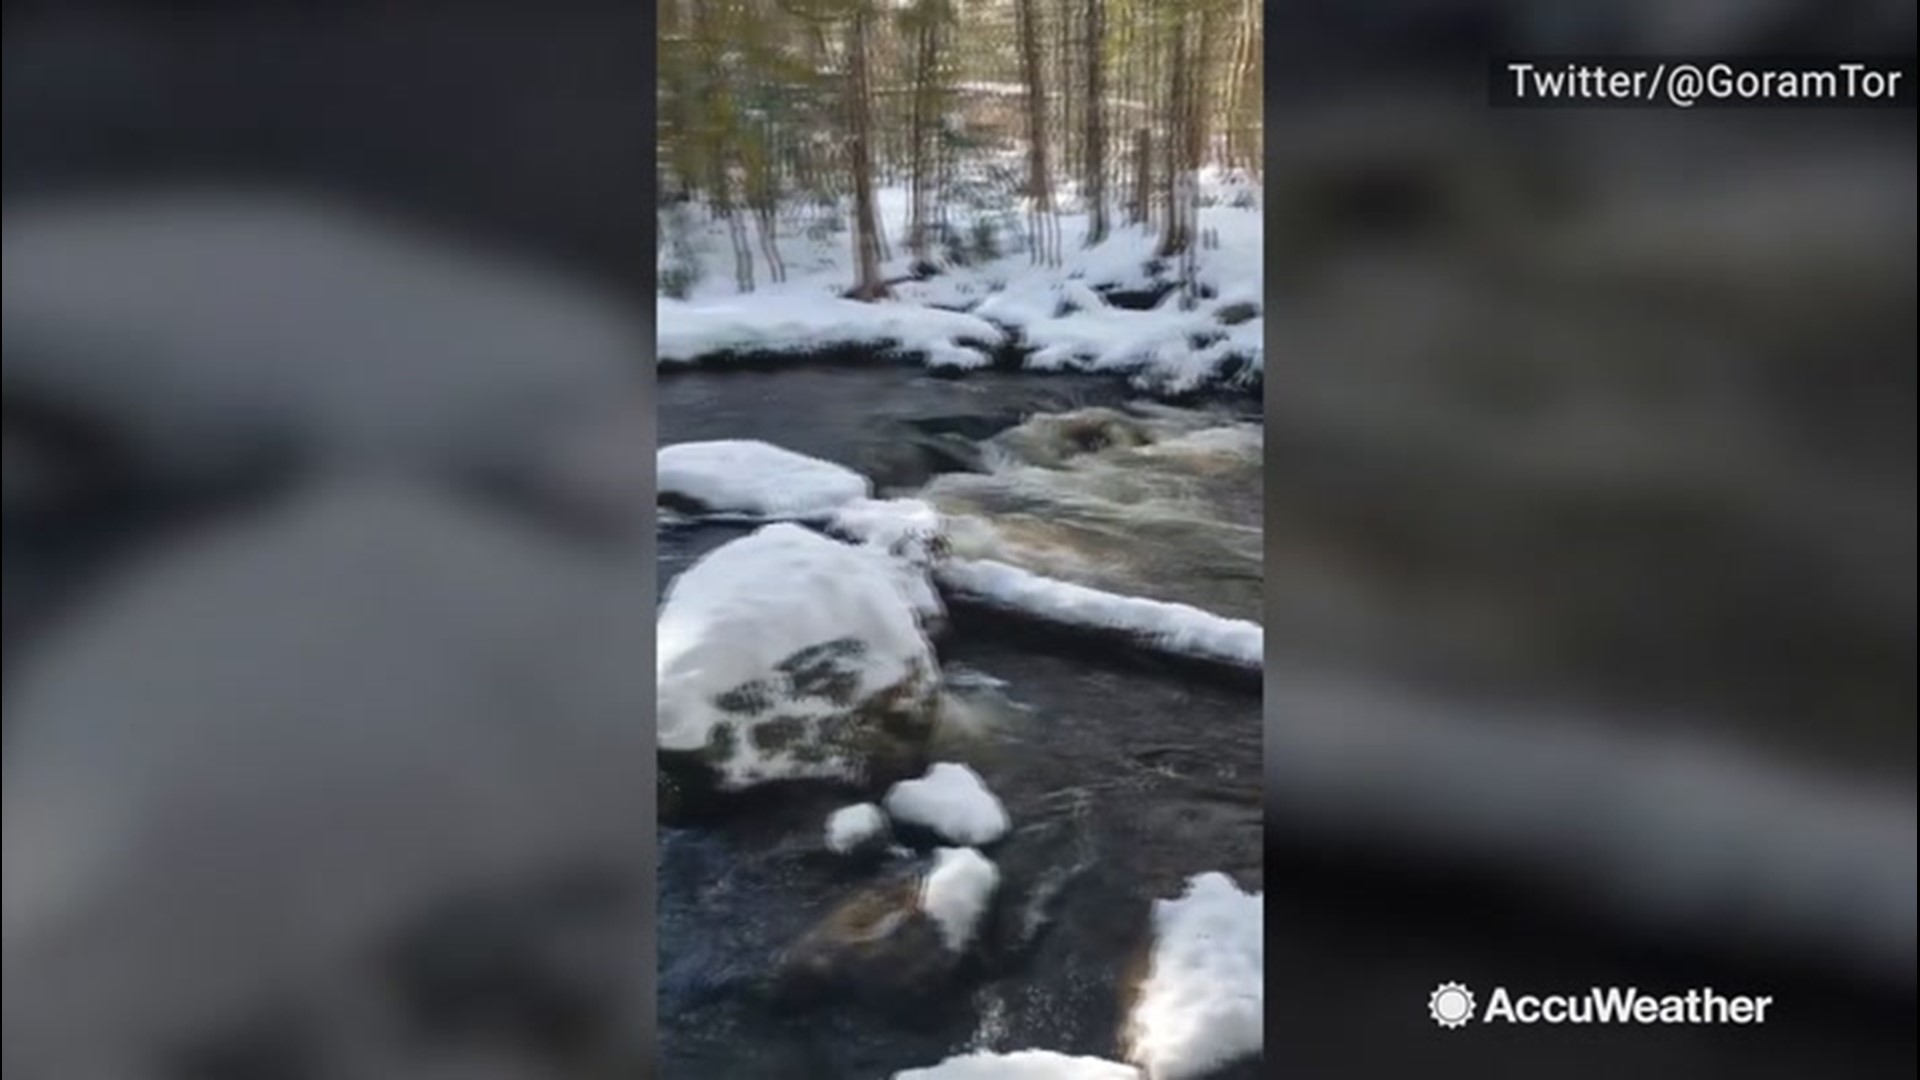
[[1202, 1004], [951, 800], [958, 318], [1022, 1065]]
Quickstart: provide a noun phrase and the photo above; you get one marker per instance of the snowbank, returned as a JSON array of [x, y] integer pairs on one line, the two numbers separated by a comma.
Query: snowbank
[[757, 479], [801, 322], [852, 827], [951, 800], [785, 654], [1174, 628], [956, 318], [1167, 347], [956, 893], [1022, 1065], [1202, 1004]]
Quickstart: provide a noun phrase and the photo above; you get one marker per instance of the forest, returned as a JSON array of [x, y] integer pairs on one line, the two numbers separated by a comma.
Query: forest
[[990, 118]]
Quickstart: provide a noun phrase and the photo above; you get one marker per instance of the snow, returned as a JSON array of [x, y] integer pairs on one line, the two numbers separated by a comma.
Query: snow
[[804, 322], [911, 534], [756, 479], [953, 801], [851, 827], [956, 892], [1201, 1006], [1169, 627], [957, 318], [733, 618], [1022, 1065], [906, 528]]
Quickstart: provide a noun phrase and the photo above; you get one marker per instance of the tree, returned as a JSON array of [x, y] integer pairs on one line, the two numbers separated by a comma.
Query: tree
[[1095, 149], [1042, 225], [867, 283], [777, 116]]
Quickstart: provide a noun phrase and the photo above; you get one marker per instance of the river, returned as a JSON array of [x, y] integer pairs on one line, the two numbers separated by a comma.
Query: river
[[1122, 778]]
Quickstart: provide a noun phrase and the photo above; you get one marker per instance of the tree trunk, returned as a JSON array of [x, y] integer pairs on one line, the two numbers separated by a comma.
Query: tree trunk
[[1039, 183], [1095, 148], [866, 231], [1174, 236], [920, 166], [1142, 174]]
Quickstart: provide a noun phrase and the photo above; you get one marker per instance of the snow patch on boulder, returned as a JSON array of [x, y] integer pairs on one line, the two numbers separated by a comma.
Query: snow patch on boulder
[[956, 893], [1202, 1004], [911, 534], [951, 800], [851, 828]]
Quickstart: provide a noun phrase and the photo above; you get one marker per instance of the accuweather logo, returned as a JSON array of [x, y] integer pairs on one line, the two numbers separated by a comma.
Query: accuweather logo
[[1453, 1006]]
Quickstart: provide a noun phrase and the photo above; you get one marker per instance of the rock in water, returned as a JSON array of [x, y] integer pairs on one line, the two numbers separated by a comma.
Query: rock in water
[[854, 830], [787, 656], [875, 948], [898, 943], [953, 801]]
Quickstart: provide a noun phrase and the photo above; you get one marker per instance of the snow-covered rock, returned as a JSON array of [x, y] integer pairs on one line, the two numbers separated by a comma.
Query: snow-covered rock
[[1022, 1065], [908, 529], [956, 893], [1201, 1006], [909, 532], [754, 479], [853, 828], [787, 655], [953, 801]]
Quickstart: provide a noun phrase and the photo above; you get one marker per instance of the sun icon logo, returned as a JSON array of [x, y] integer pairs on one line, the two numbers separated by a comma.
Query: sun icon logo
[[1450, 1005]]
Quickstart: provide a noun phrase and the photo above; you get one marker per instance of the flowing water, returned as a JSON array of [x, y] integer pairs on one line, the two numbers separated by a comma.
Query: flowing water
[[1122, 779]]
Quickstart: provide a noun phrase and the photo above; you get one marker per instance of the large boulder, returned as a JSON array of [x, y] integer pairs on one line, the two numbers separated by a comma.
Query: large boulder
[[785, 655]]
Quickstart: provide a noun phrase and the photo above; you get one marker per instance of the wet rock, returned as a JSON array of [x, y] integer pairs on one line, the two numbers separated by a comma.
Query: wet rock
[[877, 948], [1237, 313]]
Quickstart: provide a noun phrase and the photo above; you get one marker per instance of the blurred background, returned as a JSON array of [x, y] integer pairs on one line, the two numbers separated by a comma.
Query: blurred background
[[327, 600], [1590, 546]]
